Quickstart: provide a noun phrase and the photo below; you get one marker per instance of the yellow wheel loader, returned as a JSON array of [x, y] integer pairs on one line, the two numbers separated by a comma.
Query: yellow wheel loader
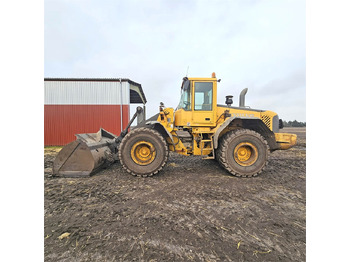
[[239, 138]]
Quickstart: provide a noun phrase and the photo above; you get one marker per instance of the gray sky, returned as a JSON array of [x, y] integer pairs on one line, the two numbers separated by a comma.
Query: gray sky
[[248, 43]]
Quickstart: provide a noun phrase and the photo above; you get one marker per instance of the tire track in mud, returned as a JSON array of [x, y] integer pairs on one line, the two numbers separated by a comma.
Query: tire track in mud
[[192, 210]]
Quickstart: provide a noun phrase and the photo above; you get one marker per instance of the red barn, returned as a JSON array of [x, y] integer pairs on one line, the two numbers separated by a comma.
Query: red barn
[[84, 105]]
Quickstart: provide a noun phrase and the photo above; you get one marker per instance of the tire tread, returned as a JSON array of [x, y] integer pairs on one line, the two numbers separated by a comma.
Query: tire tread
[[142, 130], [222, 151]]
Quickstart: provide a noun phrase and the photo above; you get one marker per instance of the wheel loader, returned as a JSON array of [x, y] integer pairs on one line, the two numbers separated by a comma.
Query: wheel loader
[[238, 137]]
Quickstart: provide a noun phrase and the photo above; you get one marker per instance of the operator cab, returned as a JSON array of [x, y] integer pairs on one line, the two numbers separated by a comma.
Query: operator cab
[[197, 105]]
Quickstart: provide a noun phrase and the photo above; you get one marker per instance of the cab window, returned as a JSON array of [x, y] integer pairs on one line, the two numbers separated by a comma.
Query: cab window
[[203, 96], [185, 101]]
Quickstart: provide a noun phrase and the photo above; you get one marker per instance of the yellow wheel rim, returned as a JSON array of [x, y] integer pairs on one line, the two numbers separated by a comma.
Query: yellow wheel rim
[[143, 153], [245, 154]]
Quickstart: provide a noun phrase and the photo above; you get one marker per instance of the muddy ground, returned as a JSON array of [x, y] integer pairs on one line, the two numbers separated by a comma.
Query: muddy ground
[[192, 211]]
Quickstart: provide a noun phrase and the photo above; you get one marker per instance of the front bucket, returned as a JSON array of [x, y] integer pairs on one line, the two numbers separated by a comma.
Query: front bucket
[[86, 155]]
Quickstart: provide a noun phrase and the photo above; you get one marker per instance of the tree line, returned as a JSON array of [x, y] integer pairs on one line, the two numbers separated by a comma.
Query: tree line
[[294, 123]]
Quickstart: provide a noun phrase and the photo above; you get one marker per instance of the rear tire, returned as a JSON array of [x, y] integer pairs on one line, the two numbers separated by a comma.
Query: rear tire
[[243, 153], [143, 152]]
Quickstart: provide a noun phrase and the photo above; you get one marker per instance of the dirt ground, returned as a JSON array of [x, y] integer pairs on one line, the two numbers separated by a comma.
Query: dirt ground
[[192, 211]]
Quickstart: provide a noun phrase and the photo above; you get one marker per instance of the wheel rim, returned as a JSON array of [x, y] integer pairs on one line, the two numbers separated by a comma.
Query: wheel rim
[[245, 154], [143, 153]]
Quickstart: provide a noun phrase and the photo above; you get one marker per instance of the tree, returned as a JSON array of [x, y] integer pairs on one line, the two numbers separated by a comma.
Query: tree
[[294, 123]]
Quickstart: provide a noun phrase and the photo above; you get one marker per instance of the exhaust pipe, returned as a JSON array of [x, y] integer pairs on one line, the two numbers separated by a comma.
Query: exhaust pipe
[[242, 97]]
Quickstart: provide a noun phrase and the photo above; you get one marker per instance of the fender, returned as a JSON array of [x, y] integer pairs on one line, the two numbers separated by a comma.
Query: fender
[[224, 125], [161, 129], [253, 123]]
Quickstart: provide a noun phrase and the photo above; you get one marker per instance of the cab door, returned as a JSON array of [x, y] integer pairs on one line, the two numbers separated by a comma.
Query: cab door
[[204, 103]]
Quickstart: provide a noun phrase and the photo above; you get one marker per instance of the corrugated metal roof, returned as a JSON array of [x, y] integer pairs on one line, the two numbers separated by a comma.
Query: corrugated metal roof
[[86, 93], [135, 97]]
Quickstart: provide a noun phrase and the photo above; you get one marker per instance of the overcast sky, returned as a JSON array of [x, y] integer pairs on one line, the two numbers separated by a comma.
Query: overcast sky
[[249, 43]]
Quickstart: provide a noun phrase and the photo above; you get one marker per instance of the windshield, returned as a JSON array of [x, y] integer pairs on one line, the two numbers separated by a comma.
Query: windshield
[[185, 101]]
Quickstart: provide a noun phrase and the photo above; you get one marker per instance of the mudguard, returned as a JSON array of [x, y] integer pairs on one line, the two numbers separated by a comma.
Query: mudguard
[[253, 123], [161, 129]]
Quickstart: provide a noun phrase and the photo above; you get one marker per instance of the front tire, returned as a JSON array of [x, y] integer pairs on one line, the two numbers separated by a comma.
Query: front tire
[[143, 152], [243, 153]]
